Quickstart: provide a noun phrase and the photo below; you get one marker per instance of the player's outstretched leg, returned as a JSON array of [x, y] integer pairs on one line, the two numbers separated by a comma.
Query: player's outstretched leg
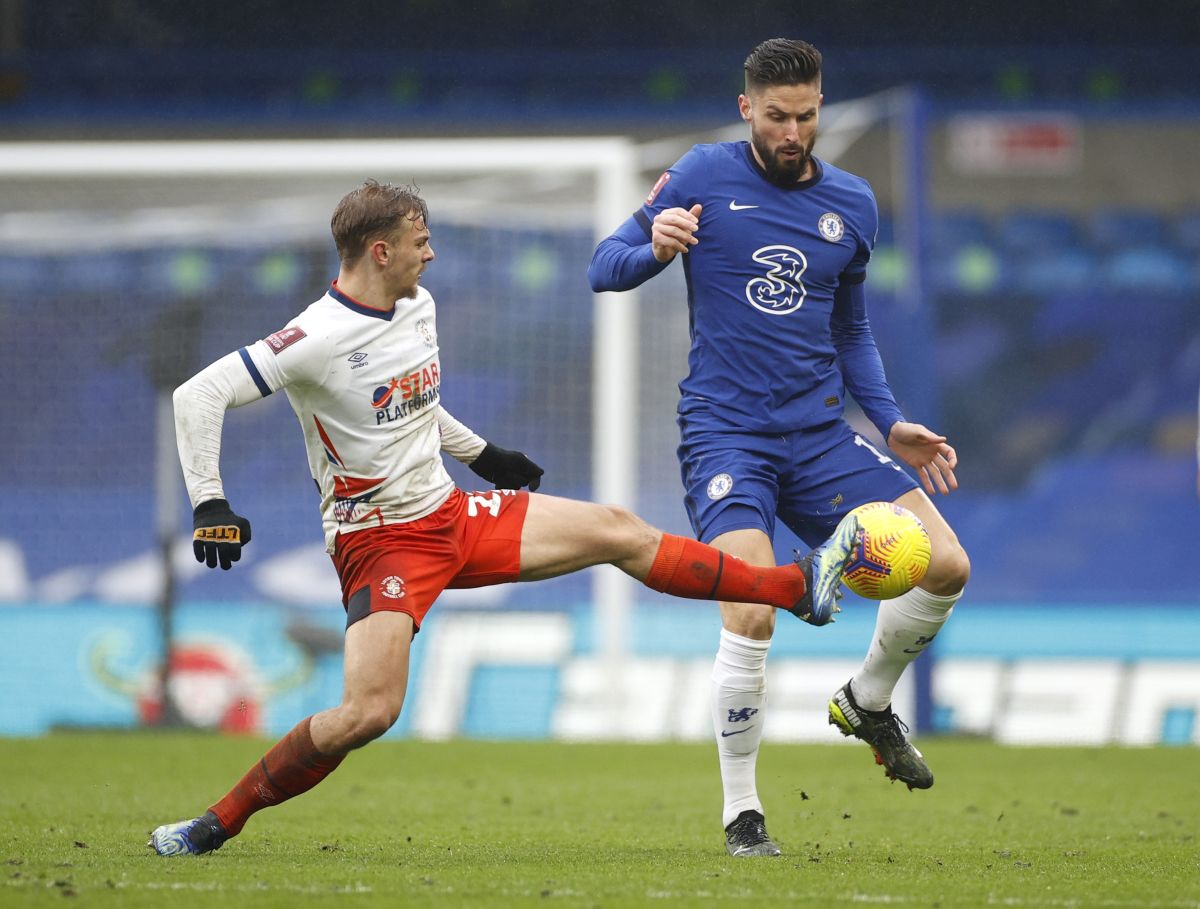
[[823, 568], [195, 837], [746, 836], [884, 732]]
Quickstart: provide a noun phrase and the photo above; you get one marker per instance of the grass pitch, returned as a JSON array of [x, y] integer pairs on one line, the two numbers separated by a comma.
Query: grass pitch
[[517, 824]]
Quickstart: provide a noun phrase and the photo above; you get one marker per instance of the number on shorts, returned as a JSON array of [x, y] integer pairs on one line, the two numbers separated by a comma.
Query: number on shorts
[[883, 459], [488, 500]]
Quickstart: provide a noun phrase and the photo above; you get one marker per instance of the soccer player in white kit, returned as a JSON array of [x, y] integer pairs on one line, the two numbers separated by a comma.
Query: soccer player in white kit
[[360, 368]]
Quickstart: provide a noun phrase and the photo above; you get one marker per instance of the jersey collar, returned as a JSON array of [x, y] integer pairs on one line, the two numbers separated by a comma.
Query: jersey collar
[[818, 171], [361, 308]]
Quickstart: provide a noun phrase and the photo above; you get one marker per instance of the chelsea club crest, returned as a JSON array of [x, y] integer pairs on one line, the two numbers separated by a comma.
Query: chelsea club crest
[[719, 486], [831, 227]]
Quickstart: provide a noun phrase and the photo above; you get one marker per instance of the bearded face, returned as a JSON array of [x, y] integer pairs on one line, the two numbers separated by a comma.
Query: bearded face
[[783, 129], [786, 162]]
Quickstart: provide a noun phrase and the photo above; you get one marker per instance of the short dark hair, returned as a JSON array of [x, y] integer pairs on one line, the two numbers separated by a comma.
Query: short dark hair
[[783, 61], [372, 211]]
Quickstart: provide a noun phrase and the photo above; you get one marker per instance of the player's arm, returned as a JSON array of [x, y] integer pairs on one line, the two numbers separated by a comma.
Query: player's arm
[[625, 258], [218, 534], [666, 225], [858, 355], [641, 248], [925, 451], [249, 374], [506, 469]]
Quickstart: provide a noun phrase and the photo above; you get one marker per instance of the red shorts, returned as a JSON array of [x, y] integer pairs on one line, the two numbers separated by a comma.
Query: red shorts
[[472, 540]]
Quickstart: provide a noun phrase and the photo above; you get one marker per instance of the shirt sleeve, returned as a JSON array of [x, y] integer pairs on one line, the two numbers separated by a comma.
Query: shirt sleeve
[[862, 367], [868, 231], [295, 355], [625, 259], [457, 440], [200, 405], [249, 374]]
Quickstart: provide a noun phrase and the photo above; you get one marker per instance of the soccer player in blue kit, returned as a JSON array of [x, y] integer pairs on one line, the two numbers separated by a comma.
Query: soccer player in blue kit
[[776, 244]]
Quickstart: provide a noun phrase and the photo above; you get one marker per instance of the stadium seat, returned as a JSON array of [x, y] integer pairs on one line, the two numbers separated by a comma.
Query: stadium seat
[[105, 273], [1185, 232], [971, 348], [1118, 228], [886, 234], [1025, 231], [1149, 269], [970, 270], [952, 230], [280, 273], [24, 274], [1056, 270], [1065, 315], [177, 271]]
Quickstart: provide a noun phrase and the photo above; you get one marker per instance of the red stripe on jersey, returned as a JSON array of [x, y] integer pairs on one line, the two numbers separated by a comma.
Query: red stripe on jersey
[[348, 487], [337, 458]]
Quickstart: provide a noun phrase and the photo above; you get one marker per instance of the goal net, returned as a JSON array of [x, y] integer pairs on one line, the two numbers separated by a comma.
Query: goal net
[[126, 267]]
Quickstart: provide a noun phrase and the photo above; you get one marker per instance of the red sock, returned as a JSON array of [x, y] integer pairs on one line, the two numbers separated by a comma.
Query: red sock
[[291, 767], [687, 568]]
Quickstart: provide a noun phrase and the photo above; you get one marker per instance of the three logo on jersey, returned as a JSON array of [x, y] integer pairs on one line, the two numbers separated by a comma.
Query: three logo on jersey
[[406, 394], [781, 291]]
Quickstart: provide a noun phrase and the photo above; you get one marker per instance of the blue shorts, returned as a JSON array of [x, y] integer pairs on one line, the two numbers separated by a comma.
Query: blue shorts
[[809, 479]]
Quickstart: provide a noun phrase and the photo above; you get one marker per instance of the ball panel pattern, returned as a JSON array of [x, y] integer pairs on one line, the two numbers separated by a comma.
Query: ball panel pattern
[[891, 553]]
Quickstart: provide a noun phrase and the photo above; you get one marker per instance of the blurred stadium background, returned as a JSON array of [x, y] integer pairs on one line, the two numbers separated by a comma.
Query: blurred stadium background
[[1035, 293]]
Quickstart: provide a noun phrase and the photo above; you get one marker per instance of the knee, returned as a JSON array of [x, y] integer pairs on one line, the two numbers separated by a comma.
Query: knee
[[624, 533], [748, 620], [366, 722], [949, 571]]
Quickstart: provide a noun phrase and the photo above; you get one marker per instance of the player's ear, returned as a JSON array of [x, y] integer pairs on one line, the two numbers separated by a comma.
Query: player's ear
[[744, 107], [380, 252]]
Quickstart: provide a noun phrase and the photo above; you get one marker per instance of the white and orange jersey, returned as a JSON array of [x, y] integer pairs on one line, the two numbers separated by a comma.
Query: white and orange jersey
[[365, 385]]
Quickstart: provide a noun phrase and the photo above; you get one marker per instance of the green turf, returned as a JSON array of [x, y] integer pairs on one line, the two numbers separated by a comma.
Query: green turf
[[498, 824]]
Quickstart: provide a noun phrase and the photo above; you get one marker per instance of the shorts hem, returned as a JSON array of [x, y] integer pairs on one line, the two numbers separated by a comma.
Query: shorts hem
[[353, 620], [717, 529]]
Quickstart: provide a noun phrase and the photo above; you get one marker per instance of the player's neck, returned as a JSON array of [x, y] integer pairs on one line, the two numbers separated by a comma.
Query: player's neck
[[364, 291]]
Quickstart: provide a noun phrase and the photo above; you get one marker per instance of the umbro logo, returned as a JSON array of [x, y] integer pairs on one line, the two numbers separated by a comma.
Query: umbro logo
[[733, 206]]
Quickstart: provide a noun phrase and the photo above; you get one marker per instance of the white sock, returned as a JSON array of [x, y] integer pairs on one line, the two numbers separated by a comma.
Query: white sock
[[905, 626], [738, 703]]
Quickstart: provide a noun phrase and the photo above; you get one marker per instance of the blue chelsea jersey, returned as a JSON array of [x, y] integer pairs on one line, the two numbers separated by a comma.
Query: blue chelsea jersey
[[761, 284]]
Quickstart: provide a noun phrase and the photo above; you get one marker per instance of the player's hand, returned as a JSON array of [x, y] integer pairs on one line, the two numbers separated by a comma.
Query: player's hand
[[674, 231], [507, 469], [927, 453], [218, 534]]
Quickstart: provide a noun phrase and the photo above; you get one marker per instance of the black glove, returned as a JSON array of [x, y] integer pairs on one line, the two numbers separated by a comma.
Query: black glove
[[218, 533], [507, 469]]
